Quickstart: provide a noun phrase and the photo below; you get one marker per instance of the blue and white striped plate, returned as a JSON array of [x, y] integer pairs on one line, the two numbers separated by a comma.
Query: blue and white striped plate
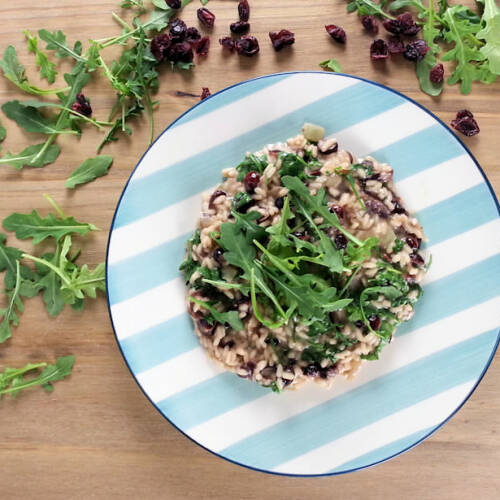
[[422, 378]]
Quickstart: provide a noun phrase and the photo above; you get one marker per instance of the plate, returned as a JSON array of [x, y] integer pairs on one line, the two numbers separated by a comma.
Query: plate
[[436, 360]]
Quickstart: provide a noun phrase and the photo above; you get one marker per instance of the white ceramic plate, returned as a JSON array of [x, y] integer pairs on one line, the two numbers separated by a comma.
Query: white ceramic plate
[[421, 379]]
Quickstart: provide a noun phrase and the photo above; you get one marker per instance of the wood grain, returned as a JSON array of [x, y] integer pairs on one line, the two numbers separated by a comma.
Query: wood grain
[[97, 436]]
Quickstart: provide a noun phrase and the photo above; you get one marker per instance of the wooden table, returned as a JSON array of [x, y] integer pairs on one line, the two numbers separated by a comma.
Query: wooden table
[[97, 436]]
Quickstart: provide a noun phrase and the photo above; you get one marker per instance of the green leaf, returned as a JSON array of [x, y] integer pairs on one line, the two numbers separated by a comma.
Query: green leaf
[[57, 41], [30, 119], [9, 256], [251, 163], [367, 8], [12, 380], [50, 283], [32, 157], [292, 164], [86, 282], [39, 228], [14, 71], [90, 169], [231, 317], [3, 132], [331, 65], [204, 2], [160, 4], [47, 67], [15, 305], [490, 33]]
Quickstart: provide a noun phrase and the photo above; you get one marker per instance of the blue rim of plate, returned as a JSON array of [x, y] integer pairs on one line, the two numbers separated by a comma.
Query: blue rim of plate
[[407, 448]]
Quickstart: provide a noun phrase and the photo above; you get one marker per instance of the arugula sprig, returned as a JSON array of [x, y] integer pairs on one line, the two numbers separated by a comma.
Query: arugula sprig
[[15, 380]]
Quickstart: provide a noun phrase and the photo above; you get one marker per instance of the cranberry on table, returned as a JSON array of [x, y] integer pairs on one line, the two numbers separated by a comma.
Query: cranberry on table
[[174, 4], [336, 32], [281, 39], [192, 34], [379, 50], [180, 52], [82, 105], [465, 123], [206, 17], [370, 24], [247, 46], [239, 27], [202, 46], [415, 51], [251, 181], [227, 43], [159, 46], [436, 74], [205, 92], [395, 45], [178, 30], [404, 24], [244, 10]]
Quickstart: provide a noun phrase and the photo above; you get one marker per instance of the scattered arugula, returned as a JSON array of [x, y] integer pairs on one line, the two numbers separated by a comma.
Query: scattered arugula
[[89, 170], [13, 380], [331, 65]]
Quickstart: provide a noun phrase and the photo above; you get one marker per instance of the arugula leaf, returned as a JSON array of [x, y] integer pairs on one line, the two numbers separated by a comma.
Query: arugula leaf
[[292, 164], [367, 8], [37, 155], [128, 4], [251, 163], [461, 32], [14, 306], [241, 201], [14, 71], [3, 132], [246, 221], [56, 40], [31, 120], [50, 284], [47, 67], [490, 33], [9, 256], [331, 65], [13, 380], [398, 245], [231, 317], [39, 228], [281, 228], [90, 169]]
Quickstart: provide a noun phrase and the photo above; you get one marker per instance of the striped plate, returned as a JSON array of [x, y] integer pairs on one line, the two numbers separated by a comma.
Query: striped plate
[[422, 378]]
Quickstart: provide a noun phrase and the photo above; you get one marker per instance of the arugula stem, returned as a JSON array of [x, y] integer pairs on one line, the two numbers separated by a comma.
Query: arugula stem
[[121, 21], [255, 305], [349, 281], [22, 371], [55, 206], [30, 383], [51, 266], [15, 293]]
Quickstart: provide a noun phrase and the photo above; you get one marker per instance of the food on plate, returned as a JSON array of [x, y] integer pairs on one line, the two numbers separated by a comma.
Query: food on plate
[[303, 263]]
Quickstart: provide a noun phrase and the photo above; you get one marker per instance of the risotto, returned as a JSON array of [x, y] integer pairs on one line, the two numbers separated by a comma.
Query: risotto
[[303, 263]]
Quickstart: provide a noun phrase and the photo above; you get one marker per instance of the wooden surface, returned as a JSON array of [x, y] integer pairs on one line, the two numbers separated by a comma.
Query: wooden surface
[[97, 436]]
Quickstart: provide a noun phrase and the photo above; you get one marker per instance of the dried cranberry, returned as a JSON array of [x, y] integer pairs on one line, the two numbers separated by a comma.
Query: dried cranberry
[[398, 208], [379, 49], [178, 30], [239, 27], [359, 324], [206, 17], [247, 46], [205, 92], [403, 25], [206, 328], [202, 45], [340, 241], [226, 343], [180, 52], [465, 123], [268, 371], [192, 34], [375, 206], [315, 173], [328, 372], [244, 10], [311, 370], [82, 105], [337, 209], [436, 74], [410, 279], [415, 51], [227, 43], [249, 367], [370, 24], [374, 321], [281, 39], [395, 45], [174, 4], [336, 32], [251, 181], [216, 193], [413, 242], [279, 202], [160, 45], [218, 255], [416, 260], [301, 235]]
